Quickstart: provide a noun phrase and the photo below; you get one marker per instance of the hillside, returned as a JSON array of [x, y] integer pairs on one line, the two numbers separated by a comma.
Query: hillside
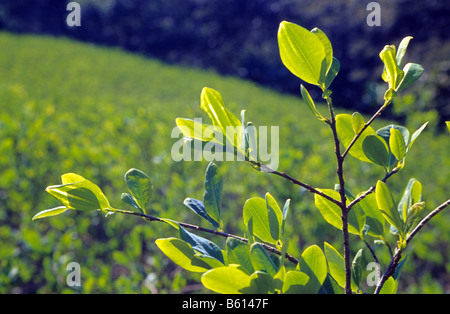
[[72, 107]]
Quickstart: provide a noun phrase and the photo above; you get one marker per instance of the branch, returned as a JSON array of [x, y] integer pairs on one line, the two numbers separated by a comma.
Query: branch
[[211, 231], [297, 182], [376, 115], [390, 270], [371, 189]]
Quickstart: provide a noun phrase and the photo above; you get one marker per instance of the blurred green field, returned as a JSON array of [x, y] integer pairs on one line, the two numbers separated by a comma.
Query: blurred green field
[[72, 107]]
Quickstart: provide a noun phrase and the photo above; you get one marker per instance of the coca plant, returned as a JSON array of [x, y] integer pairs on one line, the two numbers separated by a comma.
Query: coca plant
[[258, 261]]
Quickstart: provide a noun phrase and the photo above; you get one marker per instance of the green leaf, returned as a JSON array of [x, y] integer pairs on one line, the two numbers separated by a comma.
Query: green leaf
[[127, 198], [261, 260], [261, 283], [238, 252], [285, 213], [198, 207], [275, 217], [413, 72], [255, 209], [302, 52], [212, 198], [77, 192], [212, 103], [397, 144], [50, 212], [202, 245], [386, 205], [416, 135], [140, 187], [336, 264], [376, 150], [411, 195], [389, 287], [385, 133], [332, 213], [402, 49], [196, 130], [344, 128], [226, 280], [392, 74], [314, 264], [357, 268], [308, 100], [448, 125], [181, 253], [328, 50], [374, 219], [332, 72], [294, 282], [357, 122]]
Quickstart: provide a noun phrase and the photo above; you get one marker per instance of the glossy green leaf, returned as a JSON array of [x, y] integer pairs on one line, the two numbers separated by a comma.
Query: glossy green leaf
[[302, 52], [313, 263], [328, 51], [212, 198], [412, 72], [397, 144], [226, 280], [261, 260], [181, 253], [374, 219], [357, 122], [201, 245], [196, 130], [385, 133], [332, 213], [140, 187], [294, 282], [212, 103], [386, 205], [332, 72], [50, 212], [256, 210], [238, 252], [127, 198], [344, 128], [336, 264], [401, 51], [198, 207], [309, 101], [376, 150], [77, 192]]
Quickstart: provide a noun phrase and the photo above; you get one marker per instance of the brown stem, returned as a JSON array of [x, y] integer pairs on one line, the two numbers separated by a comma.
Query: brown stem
[[211, 231]]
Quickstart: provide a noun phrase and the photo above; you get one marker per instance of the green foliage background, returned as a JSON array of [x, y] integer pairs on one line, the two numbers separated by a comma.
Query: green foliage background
[[71, 107]]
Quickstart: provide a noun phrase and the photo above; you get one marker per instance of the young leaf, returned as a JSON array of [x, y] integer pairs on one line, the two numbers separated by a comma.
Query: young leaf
[[402, 49], [332, 72], [328, 50], [140, 187], [212, 103], [308, 100], [411, 195], [392, 74], [275, 216], [212, 198], [357, 122], [285, 213], [77, 192], [397, 144], [302, 52], [314, 264], [344, 128], [448, 125], [389, 287], [181, 253], [50, 212], [226, 280], [198, 207], [376, 150], [386, 205], [357, 269], [416, 135]]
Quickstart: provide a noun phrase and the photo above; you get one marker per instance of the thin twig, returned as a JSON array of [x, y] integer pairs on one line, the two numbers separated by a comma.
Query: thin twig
[[375, 258], [211, 231], [390, 270], [376, 115]]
